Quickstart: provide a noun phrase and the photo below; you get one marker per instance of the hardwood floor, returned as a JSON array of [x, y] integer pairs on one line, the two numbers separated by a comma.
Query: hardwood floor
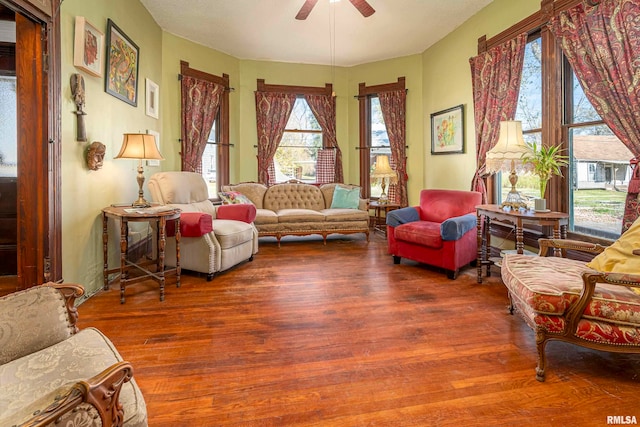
[[336, 335]]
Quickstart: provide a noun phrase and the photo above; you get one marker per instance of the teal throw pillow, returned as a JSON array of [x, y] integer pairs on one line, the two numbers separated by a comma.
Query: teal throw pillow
[[234, 198], [345, 198]]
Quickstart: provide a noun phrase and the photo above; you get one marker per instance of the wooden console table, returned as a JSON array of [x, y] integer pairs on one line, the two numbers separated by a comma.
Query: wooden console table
[[485, 213], [128, 214]]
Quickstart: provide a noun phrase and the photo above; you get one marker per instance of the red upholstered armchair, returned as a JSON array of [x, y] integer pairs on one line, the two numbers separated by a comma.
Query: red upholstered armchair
[[441, 231]]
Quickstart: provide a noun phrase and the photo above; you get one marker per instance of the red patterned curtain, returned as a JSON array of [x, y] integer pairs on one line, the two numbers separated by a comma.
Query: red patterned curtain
[[324, 109], [200, 105], [272, 114], [496, 76], [394, 105], [602, 44]]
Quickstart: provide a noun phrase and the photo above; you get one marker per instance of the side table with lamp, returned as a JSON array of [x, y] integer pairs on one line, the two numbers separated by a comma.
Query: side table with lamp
[[140, 147]]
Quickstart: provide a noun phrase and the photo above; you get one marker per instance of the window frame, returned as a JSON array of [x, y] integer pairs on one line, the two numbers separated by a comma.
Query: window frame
[[555, 130], [365, 94], [222, 121], [299, 91]]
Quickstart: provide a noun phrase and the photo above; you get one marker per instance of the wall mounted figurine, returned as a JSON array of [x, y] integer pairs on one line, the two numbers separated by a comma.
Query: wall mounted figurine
[[77, 91], [95, 155]]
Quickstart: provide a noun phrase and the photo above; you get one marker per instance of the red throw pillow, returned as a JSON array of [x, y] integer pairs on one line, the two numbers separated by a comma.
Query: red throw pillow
[[245, 213], [192, 224]]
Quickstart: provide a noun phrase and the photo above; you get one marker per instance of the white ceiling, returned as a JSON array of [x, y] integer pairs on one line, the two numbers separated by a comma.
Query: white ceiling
[[267, 29]]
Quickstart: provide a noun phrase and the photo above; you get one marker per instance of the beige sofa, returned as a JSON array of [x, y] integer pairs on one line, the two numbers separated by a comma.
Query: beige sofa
[[297, 209], [53, 374]]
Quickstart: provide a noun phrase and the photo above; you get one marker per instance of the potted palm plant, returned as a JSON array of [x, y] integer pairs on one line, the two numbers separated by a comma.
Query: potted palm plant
[[545, 162]]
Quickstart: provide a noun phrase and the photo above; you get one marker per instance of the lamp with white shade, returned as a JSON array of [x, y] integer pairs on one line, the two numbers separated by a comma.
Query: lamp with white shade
[[139, 146], [506, 156], [383, 171]]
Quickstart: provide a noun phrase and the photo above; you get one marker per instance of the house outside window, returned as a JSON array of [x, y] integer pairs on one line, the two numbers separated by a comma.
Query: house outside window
[[210, 161], [297, 154]]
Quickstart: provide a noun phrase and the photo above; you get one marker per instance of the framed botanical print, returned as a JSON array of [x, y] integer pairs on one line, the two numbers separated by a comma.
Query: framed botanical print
[[88, 47], [447, 131], [123, 58]]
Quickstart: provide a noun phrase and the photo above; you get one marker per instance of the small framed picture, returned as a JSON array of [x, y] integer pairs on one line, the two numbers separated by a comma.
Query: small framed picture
[[123, 57], [447, 131], [157, 136], [88, 47], [153, 98]]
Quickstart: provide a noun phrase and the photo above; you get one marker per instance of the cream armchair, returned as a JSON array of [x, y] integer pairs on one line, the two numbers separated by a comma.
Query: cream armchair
[[234, 238]]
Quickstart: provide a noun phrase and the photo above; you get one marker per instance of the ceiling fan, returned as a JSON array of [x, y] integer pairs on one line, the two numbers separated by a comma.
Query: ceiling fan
[[363, 7]]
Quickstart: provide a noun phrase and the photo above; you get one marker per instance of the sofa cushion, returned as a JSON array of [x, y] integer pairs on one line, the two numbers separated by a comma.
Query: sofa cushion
[[423, 233], [439, 205], [550, 285], [293, 196], [619, 257], [231, 233], [265, 216], [254, 191], [38, 309], [79, 357], [234, 198], [339, 215], [299, 215], [345, 198]]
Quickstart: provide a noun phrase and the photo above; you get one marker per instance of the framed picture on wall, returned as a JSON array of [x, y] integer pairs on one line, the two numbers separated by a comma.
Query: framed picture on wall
[[88, 47], [152, 98], [447, 131], [123, 57]]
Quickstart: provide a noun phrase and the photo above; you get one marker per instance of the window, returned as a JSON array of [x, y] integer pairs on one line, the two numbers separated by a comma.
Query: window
[[553, 109], [210, 161], [214, 163], [374, 139], [8, 127], [599, 169], [297, 154]]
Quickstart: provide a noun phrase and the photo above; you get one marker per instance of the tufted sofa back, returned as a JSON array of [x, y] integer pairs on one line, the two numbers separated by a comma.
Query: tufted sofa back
[[293, 196]]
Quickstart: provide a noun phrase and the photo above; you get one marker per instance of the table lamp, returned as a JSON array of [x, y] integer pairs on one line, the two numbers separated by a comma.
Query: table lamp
[[383, 171], [506, 155], [139, 146]]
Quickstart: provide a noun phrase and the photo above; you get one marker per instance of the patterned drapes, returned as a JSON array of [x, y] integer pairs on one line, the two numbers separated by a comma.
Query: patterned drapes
[[496, 76], [323, 108], [394, 105], [272, 114], [602, 44], [200, 105]]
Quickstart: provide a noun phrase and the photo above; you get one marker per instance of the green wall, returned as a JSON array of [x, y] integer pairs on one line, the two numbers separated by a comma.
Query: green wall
[[437, 79]]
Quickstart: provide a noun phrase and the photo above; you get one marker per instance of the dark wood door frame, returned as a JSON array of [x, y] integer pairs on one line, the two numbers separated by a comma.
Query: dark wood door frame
[[39, 140]]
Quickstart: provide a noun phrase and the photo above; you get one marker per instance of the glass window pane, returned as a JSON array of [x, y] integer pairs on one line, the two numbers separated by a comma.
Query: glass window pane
[[302, 117], [529, 110], [600, 173], [210, 162], [379, 143], [8, 127], [583, 111]]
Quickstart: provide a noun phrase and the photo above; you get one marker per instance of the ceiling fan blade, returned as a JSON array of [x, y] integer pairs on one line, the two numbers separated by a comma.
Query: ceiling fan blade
[[306, 8], [363, 7]]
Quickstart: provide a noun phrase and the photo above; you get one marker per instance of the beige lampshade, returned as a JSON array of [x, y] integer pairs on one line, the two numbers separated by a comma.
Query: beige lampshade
[[510, 147], [139, 146], [383, 169]]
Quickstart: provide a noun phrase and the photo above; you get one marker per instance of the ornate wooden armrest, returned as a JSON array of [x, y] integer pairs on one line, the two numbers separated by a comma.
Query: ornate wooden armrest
[[589, 281], [577, 245], [70, 292], [102, 391]]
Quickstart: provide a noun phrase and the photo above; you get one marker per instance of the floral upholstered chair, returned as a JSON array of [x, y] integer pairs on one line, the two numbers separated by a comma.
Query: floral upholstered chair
[[594, 305]]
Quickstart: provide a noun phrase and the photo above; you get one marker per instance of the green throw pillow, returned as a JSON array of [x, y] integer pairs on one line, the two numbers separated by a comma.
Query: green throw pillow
[[345, 198]]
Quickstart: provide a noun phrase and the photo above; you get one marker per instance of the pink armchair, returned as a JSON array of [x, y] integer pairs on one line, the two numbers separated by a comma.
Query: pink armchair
[[441, 231]]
